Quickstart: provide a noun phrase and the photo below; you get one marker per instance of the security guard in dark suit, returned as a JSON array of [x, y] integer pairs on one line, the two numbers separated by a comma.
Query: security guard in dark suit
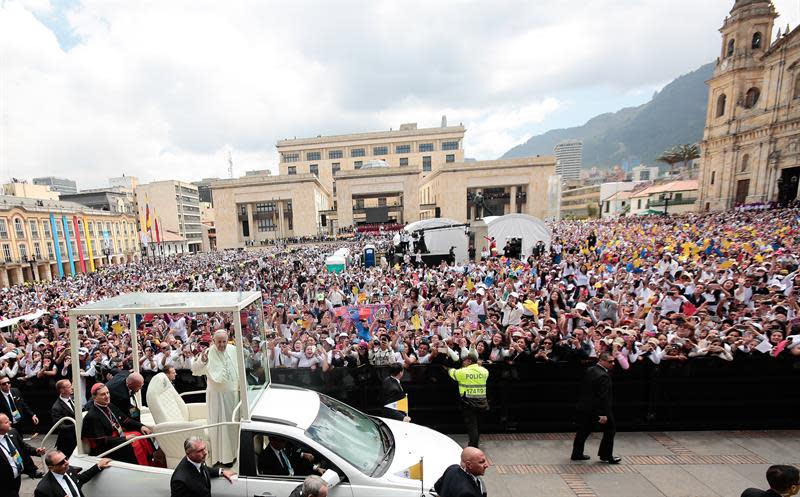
[[392, 392], [594, 408]]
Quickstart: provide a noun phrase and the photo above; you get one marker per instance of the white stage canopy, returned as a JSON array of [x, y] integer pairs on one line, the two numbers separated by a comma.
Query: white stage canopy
[[530, 229]]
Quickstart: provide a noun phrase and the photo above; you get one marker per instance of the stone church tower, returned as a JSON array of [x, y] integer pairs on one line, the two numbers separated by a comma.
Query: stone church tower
[[750, 145]]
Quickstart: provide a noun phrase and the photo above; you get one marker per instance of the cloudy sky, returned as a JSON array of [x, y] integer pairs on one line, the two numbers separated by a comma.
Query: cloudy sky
[[163, 89]]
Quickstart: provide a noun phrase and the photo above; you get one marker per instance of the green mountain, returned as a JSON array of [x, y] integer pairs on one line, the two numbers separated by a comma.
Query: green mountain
[[675, 115]]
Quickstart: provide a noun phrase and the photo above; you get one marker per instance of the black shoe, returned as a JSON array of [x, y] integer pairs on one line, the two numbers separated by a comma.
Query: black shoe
[[582, 457], [612, 460]]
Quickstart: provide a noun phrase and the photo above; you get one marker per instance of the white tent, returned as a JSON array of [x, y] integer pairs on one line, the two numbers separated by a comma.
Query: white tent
[[528, 228], [441, 234]]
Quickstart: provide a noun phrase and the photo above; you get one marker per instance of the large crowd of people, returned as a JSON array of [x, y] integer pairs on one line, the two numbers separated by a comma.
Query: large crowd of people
[[642, 289]]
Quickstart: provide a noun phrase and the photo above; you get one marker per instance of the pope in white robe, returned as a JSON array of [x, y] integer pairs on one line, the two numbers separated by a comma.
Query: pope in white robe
[[219, 365]]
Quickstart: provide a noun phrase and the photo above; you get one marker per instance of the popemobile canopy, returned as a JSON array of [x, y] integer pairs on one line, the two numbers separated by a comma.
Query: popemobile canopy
[[141, 303], [530, 229], [133, 304]]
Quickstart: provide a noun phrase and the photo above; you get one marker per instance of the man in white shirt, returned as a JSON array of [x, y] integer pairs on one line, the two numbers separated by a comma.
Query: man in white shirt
[[58, 482]]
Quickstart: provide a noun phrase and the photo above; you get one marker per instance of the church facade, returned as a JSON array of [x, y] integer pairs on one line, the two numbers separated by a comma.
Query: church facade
[[751, 143]]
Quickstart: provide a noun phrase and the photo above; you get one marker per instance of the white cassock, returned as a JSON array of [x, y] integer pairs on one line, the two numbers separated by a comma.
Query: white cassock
[[222, 395]]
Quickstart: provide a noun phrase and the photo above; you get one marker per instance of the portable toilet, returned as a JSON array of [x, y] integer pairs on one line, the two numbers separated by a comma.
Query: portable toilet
[[369, 255], [335, 264]]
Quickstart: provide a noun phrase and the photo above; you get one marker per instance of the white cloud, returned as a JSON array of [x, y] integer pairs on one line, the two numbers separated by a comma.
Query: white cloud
[[164, 89]]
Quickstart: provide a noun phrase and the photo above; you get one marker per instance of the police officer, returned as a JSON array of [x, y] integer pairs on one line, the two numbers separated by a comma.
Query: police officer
[[472, 389]]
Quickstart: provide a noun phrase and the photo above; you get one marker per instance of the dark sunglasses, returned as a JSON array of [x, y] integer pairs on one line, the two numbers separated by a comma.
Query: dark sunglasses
[[59, 463]]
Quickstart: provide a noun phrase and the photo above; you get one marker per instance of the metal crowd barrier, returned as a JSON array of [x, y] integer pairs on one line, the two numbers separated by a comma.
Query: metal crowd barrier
[[700, 394]]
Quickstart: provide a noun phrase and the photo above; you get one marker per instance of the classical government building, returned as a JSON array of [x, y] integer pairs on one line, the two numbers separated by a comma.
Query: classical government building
[[42, 239], [330, 183], [751, 144]]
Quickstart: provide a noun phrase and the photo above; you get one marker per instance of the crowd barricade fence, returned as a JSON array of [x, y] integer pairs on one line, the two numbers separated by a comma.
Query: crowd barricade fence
[[699, 394]]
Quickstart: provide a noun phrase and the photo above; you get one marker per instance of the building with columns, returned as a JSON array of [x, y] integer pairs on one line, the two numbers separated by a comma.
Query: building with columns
[[253, 210], [751, 143], [45, 239], [465, 191]]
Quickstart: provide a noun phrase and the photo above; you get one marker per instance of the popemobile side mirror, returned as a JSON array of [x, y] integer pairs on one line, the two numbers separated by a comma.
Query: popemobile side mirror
[[331, 477]]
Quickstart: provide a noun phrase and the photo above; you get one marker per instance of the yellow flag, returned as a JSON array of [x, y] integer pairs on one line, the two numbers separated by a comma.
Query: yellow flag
[[470, 284], [759, 258], [725, 265], [416, 472], [415, 322], [532, 306]]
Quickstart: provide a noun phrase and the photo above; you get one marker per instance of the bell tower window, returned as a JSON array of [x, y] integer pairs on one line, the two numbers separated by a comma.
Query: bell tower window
[[731, 46], [756, 44], [751, 98], [721, 101]]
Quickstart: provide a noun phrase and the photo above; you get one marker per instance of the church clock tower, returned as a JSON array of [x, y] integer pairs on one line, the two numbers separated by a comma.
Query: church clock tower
[[735, 92]]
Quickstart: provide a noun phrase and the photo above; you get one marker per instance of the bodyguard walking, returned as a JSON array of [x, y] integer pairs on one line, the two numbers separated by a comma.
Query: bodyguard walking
[[594, 409], [472, 389], [192, 478]]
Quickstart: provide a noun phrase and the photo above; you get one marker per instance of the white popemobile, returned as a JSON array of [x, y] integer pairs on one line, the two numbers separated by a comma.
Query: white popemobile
[[360, 455]]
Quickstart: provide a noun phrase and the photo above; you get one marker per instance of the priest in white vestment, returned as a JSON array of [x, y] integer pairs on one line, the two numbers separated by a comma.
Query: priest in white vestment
[[219, 364]]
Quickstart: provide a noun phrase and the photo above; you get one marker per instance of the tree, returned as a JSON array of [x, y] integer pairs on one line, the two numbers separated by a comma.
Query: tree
[[687, 153], [680, 153], [669, 157]]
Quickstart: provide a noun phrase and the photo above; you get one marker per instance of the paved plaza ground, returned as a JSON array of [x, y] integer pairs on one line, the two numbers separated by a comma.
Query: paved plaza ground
[[668, 464]]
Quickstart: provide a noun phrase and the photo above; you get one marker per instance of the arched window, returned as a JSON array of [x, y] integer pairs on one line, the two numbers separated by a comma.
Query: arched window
[[731, 46], [756, 44], [745, 164], [797, 87], [721, 101], [751, 98]]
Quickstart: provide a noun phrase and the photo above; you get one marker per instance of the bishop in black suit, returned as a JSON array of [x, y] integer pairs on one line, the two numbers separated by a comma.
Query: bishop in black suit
[[594, 409], [104, 427], [192, 478], [462, 480], [392, 391], [11, 443]]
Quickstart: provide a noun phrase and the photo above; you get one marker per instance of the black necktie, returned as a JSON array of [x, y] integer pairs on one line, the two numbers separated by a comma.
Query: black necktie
[[206, 477], [11, 405], [71, 485]]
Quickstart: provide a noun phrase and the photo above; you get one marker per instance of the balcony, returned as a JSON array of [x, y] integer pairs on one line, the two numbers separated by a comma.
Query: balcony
[[660, 203]]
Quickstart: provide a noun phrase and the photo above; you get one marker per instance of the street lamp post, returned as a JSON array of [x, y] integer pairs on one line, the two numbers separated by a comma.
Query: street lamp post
[[666, 197]]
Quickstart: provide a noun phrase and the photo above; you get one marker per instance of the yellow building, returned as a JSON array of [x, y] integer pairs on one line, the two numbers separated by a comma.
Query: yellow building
[[32, 250], [464, 191], [751, 144], [252, 210]]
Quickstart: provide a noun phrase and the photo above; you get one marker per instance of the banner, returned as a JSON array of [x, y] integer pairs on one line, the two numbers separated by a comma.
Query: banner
[[368, 312]]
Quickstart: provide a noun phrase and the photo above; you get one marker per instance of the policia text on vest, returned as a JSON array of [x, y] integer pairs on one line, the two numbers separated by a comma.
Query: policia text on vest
[[472, 390]]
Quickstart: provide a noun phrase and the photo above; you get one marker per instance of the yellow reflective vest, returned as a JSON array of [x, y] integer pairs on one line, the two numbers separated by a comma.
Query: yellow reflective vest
[[471, 381]]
